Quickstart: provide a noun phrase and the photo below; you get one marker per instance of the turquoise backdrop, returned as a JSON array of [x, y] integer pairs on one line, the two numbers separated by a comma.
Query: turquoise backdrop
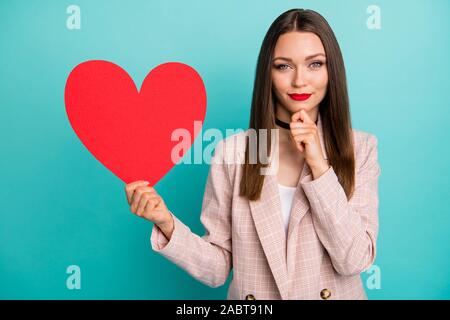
[[61, 207]]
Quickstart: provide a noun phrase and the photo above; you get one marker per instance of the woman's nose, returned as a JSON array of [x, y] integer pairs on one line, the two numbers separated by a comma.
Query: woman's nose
[[299, 78]]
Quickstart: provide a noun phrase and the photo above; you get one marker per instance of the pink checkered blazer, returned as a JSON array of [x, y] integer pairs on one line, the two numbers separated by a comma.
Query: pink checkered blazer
[[330, 239]]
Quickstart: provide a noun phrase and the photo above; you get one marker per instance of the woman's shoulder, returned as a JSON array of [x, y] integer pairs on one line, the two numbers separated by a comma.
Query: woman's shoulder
[[365, 147], [232, 147], [364, 139]]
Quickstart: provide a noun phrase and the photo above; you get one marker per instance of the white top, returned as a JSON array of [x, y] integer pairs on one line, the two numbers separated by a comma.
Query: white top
[[286, 197]]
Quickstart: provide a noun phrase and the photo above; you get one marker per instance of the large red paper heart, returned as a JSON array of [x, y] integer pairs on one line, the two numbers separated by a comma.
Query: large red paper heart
[[129, 131]]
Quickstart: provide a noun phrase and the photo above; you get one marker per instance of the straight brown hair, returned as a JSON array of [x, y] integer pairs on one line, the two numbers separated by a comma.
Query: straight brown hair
[[334, 108]]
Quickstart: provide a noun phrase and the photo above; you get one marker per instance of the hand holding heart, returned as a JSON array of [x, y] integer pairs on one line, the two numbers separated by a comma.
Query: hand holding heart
[[145, 202], [304, 131]]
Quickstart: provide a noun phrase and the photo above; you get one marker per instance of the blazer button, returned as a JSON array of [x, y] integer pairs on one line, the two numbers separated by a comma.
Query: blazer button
[[325, 294], [250, 297]]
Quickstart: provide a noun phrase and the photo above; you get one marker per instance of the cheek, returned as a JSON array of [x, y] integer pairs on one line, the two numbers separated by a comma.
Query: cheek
[[278, 82], [319, 81]]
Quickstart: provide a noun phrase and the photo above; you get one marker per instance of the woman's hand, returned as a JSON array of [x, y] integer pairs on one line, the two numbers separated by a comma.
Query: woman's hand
[[306, 137], [145, 202]]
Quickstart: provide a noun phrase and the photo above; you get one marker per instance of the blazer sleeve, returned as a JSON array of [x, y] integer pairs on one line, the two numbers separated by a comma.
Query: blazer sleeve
[[207, 258], [348, 229]]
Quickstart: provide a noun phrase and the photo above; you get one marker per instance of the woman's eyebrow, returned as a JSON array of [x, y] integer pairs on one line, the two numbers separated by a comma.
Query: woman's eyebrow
[[307, 58]]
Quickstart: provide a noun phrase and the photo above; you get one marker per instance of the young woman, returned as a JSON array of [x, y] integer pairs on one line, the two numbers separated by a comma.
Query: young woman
[[308, 231]]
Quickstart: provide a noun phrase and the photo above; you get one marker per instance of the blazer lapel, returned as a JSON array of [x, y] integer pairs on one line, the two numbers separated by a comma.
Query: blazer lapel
[[267, 215]]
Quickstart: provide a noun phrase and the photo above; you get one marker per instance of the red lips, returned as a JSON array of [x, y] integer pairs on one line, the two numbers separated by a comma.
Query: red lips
[[300, 97]]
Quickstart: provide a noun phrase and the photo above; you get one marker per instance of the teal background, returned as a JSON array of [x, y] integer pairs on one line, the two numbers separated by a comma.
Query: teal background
[[60, 206]]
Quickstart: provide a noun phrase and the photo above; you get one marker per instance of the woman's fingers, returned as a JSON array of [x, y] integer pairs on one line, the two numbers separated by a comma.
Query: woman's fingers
[[296, 116], [302, 139], [136, 197], [130, 188], [150, 208], [297, 131], [301, 132], [146, 201], [303, 136], [294, 125]]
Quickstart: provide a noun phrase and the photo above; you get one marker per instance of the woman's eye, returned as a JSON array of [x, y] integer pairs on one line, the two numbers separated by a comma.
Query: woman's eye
[[316, 64], [280, 66]]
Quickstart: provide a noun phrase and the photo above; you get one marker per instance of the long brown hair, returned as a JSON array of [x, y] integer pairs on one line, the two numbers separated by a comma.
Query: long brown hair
[[334, 108]]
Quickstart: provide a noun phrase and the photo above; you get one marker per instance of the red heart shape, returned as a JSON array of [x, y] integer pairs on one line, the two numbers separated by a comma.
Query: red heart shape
[[129, 131]]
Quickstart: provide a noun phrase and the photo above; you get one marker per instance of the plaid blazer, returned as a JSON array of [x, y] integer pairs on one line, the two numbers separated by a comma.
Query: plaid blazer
[[330, 239]]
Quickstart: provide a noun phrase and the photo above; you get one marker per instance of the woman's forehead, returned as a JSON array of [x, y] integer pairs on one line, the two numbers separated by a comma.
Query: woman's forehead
[[298, 45]]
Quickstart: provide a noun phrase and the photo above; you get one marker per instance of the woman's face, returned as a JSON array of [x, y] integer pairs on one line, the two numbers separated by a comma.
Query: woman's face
[[302, 71]]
